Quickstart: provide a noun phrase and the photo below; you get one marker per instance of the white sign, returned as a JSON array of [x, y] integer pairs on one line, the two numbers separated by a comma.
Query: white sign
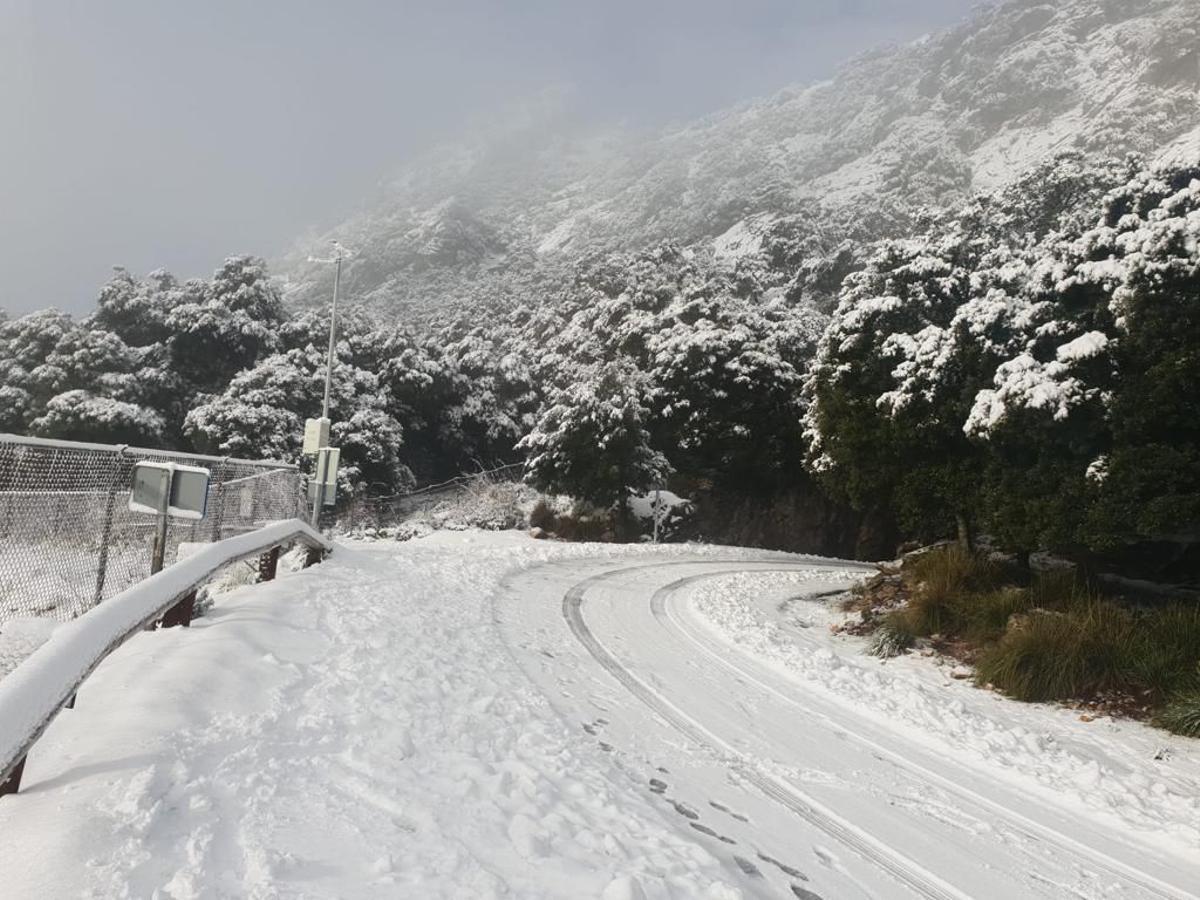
[[316, 435], [169, 489]]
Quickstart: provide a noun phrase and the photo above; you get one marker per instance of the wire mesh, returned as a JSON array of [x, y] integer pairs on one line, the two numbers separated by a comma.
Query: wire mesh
[[381, 512], [68, 539]]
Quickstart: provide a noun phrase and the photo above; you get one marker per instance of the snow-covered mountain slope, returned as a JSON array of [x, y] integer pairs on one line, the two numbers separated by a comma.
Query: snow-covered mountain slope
[[898, 129]]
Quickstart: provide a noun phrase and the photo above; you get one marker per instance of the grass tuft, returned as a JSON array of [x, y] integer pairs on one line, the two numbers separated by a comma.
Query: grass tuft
[[1182, 714], [893, 637], [1054, 638]]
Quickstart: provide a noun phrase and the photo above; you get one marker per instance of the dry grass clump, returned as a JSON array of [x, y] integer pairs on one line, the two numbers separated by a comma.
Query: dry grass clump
[[1053, 638]]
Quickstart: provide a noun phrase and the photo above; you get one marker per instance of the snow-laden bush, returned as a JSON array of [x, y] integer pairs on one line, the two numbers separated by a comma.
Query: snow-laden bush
[[489, 505], [671, 510]]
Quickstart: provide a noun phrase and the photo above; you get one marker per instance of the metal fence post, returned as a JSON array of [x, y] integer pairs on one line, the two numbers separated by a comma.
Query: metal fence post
[[218, 511], [109, 508], [13, 784], [268, 565]]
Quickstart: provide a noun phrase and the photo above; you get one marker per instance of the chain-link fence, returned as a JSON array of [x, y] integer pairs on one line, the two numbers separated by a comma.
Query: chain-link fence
[[68, 539]]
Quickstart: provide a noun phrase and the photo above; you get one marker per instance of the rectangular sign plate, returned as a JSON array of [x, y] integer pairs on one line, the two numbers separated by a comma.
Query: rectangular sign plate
[[188, 486]]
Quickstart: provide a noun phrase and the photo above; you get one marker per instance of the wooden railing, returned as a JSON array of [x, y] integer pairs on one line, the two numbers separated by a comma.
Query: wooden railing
[[46, 681]]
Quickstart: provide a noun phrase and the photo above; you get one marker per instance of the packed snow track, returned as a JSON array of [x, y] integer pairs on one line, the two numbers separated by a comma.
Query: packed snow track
[[484, 715], [878, 812]]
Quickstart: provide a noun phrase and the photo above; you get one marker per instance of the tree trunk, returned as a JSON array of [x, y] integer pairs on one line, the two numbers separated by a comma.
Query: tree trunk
[[1023, 561], [625, 530], [966, 540]]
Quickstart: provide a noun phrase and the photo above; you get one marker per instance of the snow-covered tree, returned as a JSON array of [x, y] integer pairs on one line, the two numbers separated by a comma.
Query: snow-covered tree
[[81, 415], [592, 444], [914, 336], [231, 325], [1102, 389], [261, 414]]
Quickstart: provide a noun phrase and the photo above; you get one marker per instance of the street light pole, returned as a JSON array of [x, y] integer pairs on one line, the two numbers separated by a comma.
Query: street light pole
[[337, 283], [338, 255]]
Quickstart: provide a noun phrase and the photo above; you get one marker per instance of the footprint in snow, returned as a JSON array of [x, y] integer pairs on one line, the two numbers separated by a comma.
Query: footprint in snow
[[805, 893], [606, 747], [725, 809], [704, 829], [684, 810], [825, 857], [657, 786], [747, 867], [790, 871]]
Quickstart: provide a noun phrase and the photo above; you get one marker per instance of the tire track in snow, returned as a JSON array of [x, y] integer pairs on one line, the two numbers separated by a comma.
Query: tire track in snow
[[921, 881], [1019, 824]]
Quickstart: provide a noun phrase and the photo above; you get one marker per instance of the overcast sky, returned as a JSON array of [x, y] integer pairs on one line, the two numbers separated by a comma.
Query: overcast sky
[[147, 133]]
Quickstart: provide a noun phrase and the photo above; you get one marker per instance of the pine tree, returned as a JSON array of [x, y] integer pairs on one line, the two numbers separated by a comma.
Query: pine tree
[[592, 444]]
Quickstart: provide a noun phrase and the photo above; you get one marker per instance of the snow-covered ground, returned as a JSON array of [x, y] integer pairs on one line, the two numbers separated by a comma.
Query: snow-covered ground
[[483, 715]]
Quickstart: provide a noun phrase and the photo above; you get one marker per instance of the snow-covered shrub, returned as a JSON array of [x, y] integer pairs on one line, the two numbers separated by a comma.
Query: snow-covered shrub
[[493, 506], [671, 510]]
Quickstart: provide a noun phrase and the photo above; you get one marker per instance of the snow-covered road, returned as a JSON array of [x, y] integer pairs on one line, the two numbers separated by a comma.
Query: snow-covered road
[[483, 715], [859, 802]]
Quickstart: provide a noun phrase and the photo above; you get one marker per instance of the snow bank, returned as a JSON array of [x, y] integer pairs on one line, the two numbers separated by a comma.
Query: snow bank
[[362, 731], [36, 689], [1145, 780]]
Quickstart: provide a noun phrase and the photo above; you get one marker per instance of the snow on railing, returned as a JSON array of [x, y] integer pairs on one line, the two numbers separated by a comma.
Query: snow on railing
[[47, 680]]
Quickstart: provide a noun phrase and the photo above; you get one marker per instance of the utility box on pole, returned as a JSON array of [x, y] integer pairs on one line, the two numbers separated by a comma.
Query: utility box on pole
[[322, 487], [316, 435]]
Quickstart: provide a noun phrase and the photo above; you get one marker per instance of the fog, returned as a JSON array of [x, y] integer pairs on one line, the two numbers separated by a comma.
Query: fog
[[155, 135]]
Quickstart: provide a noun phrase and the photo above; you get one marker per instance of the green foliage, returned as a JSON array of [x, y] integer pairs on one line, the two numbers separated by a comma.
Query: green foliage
[[1182, 714], [1028, 365], [1052, 638], [1041, 660], [1081, 645], [947, 584], [1169, 650]]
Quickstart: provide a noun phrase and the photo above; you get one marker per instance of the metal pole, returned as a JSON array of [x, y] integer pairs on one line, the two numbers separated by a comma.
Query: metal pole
[[337, 281], [106, 534], [160, 531], [657, 506], [318, 492]]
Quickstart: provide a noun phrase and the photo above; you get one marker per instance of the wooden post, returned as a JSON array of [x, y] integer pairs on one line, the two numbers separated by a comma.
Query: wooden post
[[313, 556], [181, 613], [13, 784], [268, 565]]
